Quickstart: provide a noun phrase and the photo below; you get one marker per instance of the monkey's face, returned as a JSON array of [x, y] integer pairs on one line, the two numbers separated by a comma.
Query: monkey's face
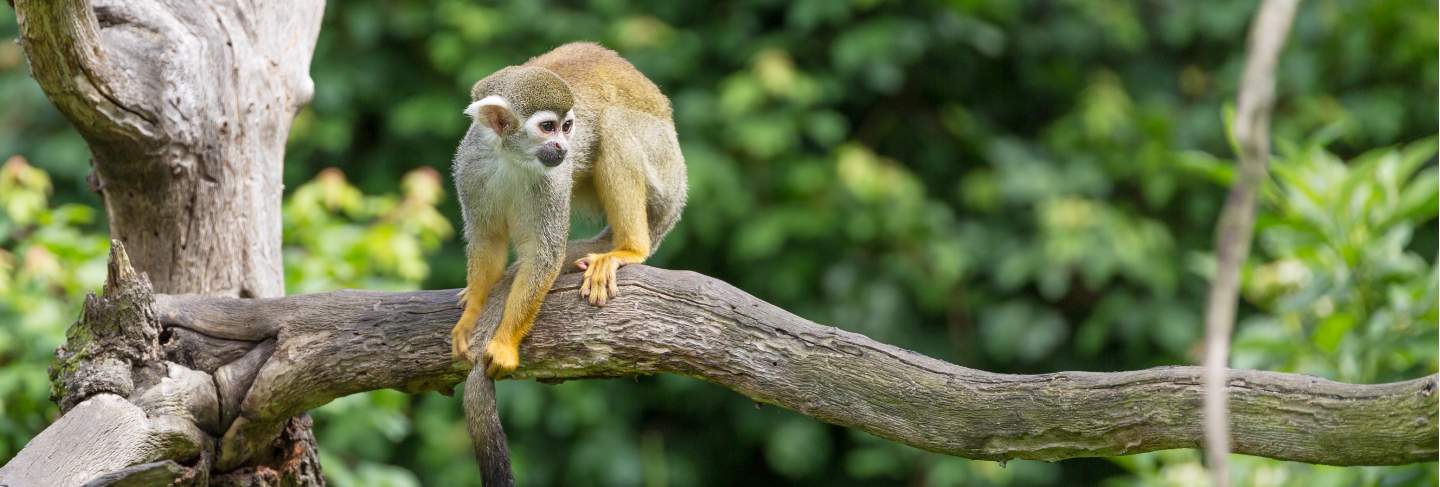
[[542, 136], [549, 134], [527, 113]]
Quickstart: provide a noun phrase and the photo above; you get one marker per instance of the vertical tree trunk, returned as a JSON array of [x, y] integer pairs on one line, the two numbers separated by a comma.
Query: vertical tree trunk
[[186, 107]]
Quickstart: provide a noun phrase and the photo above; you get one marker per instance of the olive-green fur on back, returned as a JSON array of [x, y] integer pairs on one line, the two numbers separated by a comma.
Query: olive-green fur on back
[[601, 78], [527, 89]]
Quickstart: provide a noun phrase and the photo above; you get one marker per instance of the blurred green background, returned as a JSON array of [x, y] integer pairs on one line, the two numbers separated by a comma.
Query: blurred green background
[[1018, 186]]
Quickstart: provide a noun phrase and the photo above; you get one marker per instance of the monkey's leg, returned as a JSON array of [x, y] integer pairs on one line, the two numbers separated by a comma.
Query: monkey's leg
[[485, 263], [620, 185], [533, 279]]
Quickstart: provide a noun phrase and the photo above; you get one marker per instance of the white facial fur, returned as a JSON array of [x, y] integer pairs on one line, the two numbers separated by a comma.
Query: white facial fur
[[536, 127]]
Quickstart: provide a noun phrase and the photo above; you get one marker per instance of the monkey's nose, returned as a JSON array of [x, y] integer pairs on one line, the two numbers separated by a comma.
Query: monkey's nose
[[551, 154]]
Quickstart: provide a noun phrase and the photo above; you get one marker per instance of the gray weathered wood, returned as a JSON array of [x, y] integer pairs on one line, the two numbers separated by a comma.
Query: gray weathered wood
[[333, 344], [106, 431], [186, 107], [113, 352], [164, 472], [307, 350]]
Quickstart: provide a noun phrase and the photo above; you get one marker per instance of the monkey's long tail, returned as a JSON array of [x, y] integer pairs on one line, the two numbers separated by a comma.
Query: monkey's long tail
[[486, 433]]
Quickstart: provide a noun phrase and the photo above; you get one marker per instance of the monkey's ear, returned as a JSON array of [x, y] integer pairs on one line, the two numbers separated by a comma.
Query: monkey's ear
[[494, 113], [499, 119]]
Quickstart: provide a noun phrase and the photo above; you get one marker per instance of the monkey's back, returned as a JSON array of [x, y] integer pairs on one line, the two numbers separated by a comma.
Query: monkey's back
[[625, 123], [600, 78]]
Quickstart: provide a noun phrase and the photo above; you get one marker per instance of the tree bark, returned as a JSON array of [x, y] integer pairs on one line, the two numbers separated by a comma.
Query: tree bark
[[333, 344], [186, 108], [243, 365]]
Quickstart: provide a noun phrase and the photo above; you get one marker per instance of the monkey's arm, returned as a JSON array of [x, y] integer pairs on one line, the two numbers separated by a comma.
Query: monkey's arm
[[485, 263], [534, 274]]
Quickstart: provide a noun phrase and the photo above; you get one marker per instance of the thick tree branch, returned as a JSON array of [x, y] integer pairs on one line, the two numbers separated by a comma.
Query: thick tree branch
[[332, 344], [148, 380], [1237, 219]]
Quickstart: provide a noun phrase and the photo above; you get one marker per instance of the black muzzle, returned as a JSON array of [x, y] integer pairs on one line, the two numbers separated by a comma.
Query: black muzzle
[[551, 154]]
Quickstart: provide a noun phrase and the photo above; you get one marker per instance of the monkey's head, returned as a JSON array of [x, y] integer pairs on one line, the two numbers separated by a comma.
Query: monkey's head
[[525, 111]]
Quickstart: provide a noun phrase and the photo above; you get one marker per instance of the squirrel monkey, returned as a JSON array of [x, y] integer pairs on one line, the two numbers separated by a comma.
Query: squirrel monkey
[[578, 125]]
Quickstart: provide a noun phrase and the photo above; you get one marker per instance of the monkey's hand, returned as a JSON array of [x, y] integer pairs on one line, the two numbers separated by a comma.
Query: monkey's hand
[[501, 358], [460, 338], [460, 334], [599, 284]]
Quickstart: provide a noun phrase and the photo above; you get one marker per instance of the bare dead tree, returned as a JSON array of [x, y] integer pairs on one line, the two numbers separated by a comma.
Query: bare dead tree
[[186, 108], [1237, 219]]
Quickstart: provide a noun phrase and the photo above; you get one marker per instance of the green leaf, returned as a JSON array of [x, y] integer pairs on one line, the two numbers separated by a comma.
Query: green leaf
[[1332, 331]]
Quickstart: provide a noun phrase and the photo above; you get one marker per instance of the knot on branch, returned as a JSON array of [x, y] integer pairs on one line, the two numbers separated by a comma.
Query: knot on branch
[[117, 333], [119, 353]]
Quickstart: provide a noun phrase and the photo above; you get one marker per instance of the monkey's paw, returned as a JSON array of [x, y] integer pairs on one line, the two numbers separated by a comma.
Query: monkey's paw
[[501, 358], [463, 295], [460, 341], [598, 285]]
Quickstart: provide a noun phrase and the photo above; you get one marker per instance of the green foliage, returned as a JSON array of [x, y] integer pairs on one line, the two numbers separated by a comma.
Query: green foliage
[[335, 236], [1339, 277], [1020, 186], [48, 261], [1339, 294]]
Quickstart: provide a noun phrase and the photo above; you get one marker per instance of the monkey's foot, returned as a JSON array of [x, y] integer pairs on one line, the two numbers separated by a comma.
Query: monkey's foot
[[599, 285], [460, 339], [462, 296], [501, 358]]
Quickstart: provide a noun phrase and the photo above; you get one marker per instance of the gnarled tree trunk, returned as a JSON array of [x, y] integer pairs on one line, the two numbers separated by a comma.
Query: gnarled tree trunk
[[186, 107]]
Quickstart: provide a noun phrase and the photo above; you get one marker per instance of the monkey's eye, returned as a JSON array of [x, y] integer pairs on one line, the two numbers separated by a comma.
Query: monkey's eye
[[547, 126], [566, 126]]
